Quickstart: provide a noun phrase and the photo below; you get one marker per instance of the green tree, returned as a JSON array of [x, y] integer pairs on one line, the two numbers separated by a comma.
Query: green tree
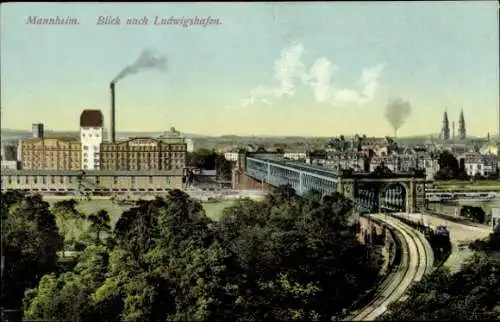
[[210, 160], [66, 297], [99, 223], [155, 241], [282, 259], [381, 171], [68, 217], [313, 195], [293, 256], [449, 167], [491, 245], [474, 213], [30, 242]]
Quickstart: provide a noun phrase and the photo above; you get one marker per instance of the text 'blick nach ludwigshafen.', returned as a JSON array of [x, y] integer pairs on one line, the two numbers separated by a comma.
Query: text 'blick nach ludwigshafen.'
[[117, 20]]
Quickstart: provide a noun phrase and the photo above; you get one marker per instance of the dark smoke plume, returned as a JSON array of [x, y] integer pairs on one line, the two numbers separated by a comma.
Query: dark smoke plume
[[397, 112], [147, 60]]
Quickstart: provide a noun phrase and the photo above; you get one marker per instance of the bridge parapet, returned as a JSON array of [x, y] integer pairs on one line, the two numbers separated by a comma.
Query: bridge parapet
[[415, 174], [302, 177]]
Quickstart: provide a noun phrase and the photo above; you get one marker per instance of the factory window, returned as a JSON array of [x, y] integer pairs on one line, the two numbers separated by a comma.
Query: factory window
[[26, 179], [97, 180], [35, 179], [43, 179], [133, 180], [61, 179], [150, 180], [90, 135], [9, 179], [52, 179], [167, 180], [115, 180], [85, 147], [96, 147], [18, 180]]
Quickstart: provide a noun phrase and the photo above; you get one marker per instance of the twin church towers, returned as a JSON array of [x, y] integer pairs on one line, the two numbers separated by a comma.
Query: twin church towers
[[445, 130]]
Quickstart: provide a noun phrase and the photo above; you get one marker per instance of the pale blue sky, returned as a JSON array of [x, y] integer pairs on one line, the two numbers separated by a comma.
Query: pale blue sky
[[434, 55]]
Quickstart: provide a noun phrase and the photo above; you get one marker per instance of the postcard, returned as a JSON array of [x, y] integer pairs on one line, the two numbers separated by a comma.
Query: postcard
[[216, 161]]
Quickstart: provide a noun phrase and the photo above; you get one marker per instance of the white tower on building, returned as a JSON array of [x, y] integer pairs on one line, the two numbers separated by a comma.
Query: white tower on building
[[91, 132], [37, 130], [189, 145]]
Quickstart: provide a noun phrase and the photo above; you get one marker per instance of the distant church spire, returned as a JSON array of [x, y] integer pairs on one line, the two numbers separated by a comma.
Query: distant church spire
[[462, 134], [445, 130]]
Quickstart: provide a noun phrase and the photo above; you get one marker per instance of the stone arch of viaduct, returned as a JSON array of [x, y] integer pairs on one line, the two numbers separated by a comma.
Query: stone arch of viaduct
[[414, 189]]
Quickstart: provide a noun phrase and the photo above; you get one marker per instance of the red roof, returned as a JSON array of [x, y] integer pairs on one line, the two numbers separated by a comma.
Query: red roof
[[91, 118]]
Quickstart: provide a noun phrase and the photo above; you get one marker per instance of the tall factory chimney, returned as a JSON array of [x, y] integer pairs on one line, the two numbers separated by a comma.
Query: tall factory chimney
[[112, 133]]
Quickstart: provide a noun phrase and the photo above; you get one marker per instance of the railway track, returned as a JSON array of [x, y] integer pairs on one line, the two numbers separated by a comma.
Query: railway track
[[417, 259]]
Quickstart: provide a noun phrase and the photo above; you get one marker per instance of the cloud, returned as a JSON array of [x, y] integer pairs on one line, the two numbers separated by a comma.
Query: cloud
[[290, 70], [319, 79], [287, 69]]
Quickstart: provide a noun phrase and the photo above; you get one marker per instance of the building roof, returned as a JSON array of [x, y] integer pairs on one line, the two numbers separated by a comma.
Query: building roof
[[90, 173], [59, 138], [208, 172], [489, 148], [146, 138], [91, 118]]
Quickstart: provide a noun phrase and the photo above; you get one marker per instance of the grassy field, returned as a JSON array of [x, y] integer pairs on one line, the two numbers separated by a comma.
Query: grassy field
[[457, 185], [212, 209]]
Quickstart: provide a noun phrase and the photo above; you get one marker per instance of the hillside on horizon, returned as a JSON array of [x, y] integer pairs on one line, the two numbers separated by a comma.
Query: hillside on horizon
[[23, 134]]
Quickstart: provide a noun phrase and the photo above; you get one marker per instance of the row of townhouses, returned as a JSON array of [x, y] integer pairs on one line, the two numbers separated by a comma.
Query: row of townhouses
[[366, 154]]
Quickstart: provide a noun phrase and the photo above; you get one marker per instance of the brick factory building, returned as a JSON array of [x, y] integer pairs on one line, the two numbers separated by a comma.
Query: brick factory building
[[45, 153], [143, 154]]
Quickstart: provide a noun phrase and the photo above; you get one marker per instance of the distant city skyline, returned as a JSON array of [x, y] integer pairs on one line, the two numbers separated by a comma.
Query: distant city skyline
[[298, 69]]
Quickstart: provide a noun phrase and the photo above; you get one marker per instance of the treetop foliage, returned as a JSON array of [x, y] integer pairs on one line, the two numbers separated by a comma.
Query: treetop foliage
[[286, 258], [282, 259]]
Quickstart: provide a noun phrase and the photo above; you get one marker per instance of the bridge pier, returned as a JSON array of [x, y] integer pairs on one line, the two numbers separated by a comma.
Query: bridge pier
[[368, 191], [410, 200], [301, 183]]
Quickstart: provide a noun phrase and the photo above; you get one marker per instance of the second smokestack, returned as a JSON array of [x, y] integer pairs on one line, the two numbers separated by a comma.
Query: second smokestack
[[112, 136]]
